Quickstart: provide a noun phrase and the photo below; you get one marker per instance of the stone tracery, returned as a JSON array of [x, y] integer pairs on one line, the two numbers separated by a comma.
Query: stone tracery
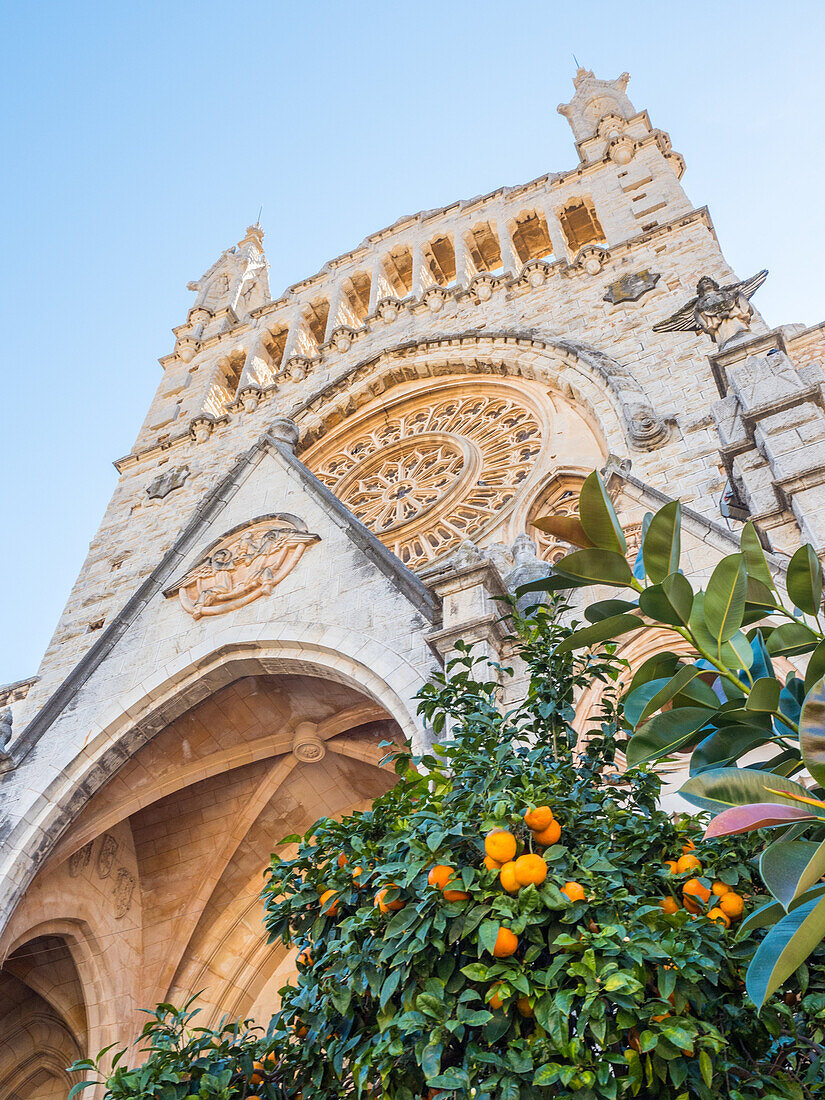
[[427, 472]]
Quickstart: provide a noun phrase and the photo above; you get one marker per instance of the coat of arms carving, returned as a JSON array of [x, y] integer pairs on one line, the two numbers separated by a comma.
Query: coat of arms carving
[[243, 565], [630, 288], [163, 484]]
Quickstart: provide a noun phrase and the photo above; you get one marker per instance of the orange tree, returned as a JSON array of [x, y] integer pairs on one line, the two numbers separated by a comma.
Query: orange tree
[[503, 924]]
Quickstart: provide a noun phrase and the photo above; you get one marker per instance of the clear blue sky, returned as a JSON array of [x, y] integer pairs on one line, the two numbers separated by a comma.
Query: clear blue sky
[[140, 139]]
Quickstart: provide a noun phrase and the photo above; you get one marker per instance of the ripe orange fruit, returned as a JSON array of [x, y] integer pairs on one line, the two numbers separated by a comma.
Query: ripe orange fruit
[[495, 1002], [301, 1030], [694, 888], [342, 860], [440, 875], [455, 895], [719, 916], [669, 905], [506, 943], [330, 908], [687, 863], [524, 1007], [500, 844], [548, 836], [357, 872], [574, 891], [688, 846], [671, 863], [530, 870], [271, 1059], [720, 889], [258, 1076], [538, 819], [304, 959], [732, 905], [658, 1019], [492, 864], [507, 878], [387, 906]]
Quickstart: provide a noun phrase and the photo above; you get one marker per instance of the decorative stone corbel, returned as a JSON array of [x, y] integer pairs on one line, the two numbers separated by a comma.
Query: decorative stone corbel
[[201, 427], [297, 368], [621, 149], [285, 431], [249, 398], [342, 338], [535, 272], [592, 258], [435, 297], [482, 286], [187, 347], [388, 309]]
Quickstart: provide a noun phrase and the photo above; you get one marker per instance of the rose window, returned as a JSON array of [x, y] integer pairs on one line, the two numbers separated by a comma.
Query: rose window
[[425, 473]]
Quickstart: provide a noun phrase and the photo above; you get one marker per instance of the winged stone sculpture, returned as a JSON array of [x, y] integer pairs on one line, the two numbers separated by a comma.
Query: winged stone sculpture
[[721, 311]]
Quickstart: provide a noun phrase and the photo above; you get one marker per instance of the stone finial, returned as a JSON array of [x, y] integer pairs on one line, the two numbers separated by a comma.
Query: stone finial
[[527, 567], [593, 100], [283, 430]]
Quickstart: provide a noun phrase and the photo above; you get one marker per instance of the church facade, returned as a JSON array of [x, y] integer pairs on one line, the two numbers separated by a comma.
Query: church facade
[[329, 490]]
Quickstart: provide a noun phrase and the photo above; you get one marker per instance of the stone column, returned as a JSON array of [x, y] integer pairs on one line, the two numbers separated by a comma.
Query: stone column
[[419, 281], [463, 264], [296, 324], [376, 291], [334, 309], [472, 613], [554, 232], [509, 257], [771, 425]]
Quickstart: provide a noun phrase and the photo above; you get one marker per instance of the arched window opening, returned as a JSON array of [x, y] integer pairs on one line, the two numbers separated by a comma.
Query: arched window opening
[[274, 342], [531, 239], [440, 258], [316, 316], [398, 267], [484, 248], [355, 304], [580, 225]]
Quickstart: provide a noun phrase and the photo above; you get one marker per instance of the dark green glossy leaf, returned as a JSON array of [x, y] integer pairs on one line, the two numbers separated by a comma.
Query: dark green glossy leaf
[[724, 746], [805, 580], [602, 631], [598, 516], [666, 733], [605, 608], [596, 567], [791, 639], [735, 653], [660, 665], [720, 788], [785, 947], [772, 911], [816, 666], [724, 603], [764, 695], [812, 732], [669, 602], [755, 561], [789, 867], [662, 543], [668, 690]]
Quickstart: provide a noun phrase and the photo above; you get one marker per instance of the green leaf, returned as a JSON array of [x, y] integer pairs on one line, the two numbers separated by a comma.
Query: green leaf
[[812, 732], [791, 639], [816, 666], [734, 654], [667, 732], [720, 788], [682, 678], [602, 631], [605, 608], [660, 665], [772, 911], [805, 580], [487, 934], [755, 561], [669, 602], [725, 745], [785, 947], [565, 529], [724, 603], [789, 867], [597, 567], [764, 695], [662, 542], [599, 520]]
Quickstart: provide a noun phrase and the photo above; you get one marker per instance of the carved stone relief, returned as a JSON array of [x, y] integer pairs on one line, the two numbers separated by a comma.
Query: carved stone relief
[[106, 855], [629, 288], [164, 483], [80, 860], [123, 889], [243, 565]]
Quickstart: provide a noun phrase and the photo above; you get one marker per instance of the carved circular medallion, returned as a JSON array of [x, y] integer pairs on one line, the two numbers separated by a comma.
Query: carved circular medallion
[[309, 750], [433, 468]]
